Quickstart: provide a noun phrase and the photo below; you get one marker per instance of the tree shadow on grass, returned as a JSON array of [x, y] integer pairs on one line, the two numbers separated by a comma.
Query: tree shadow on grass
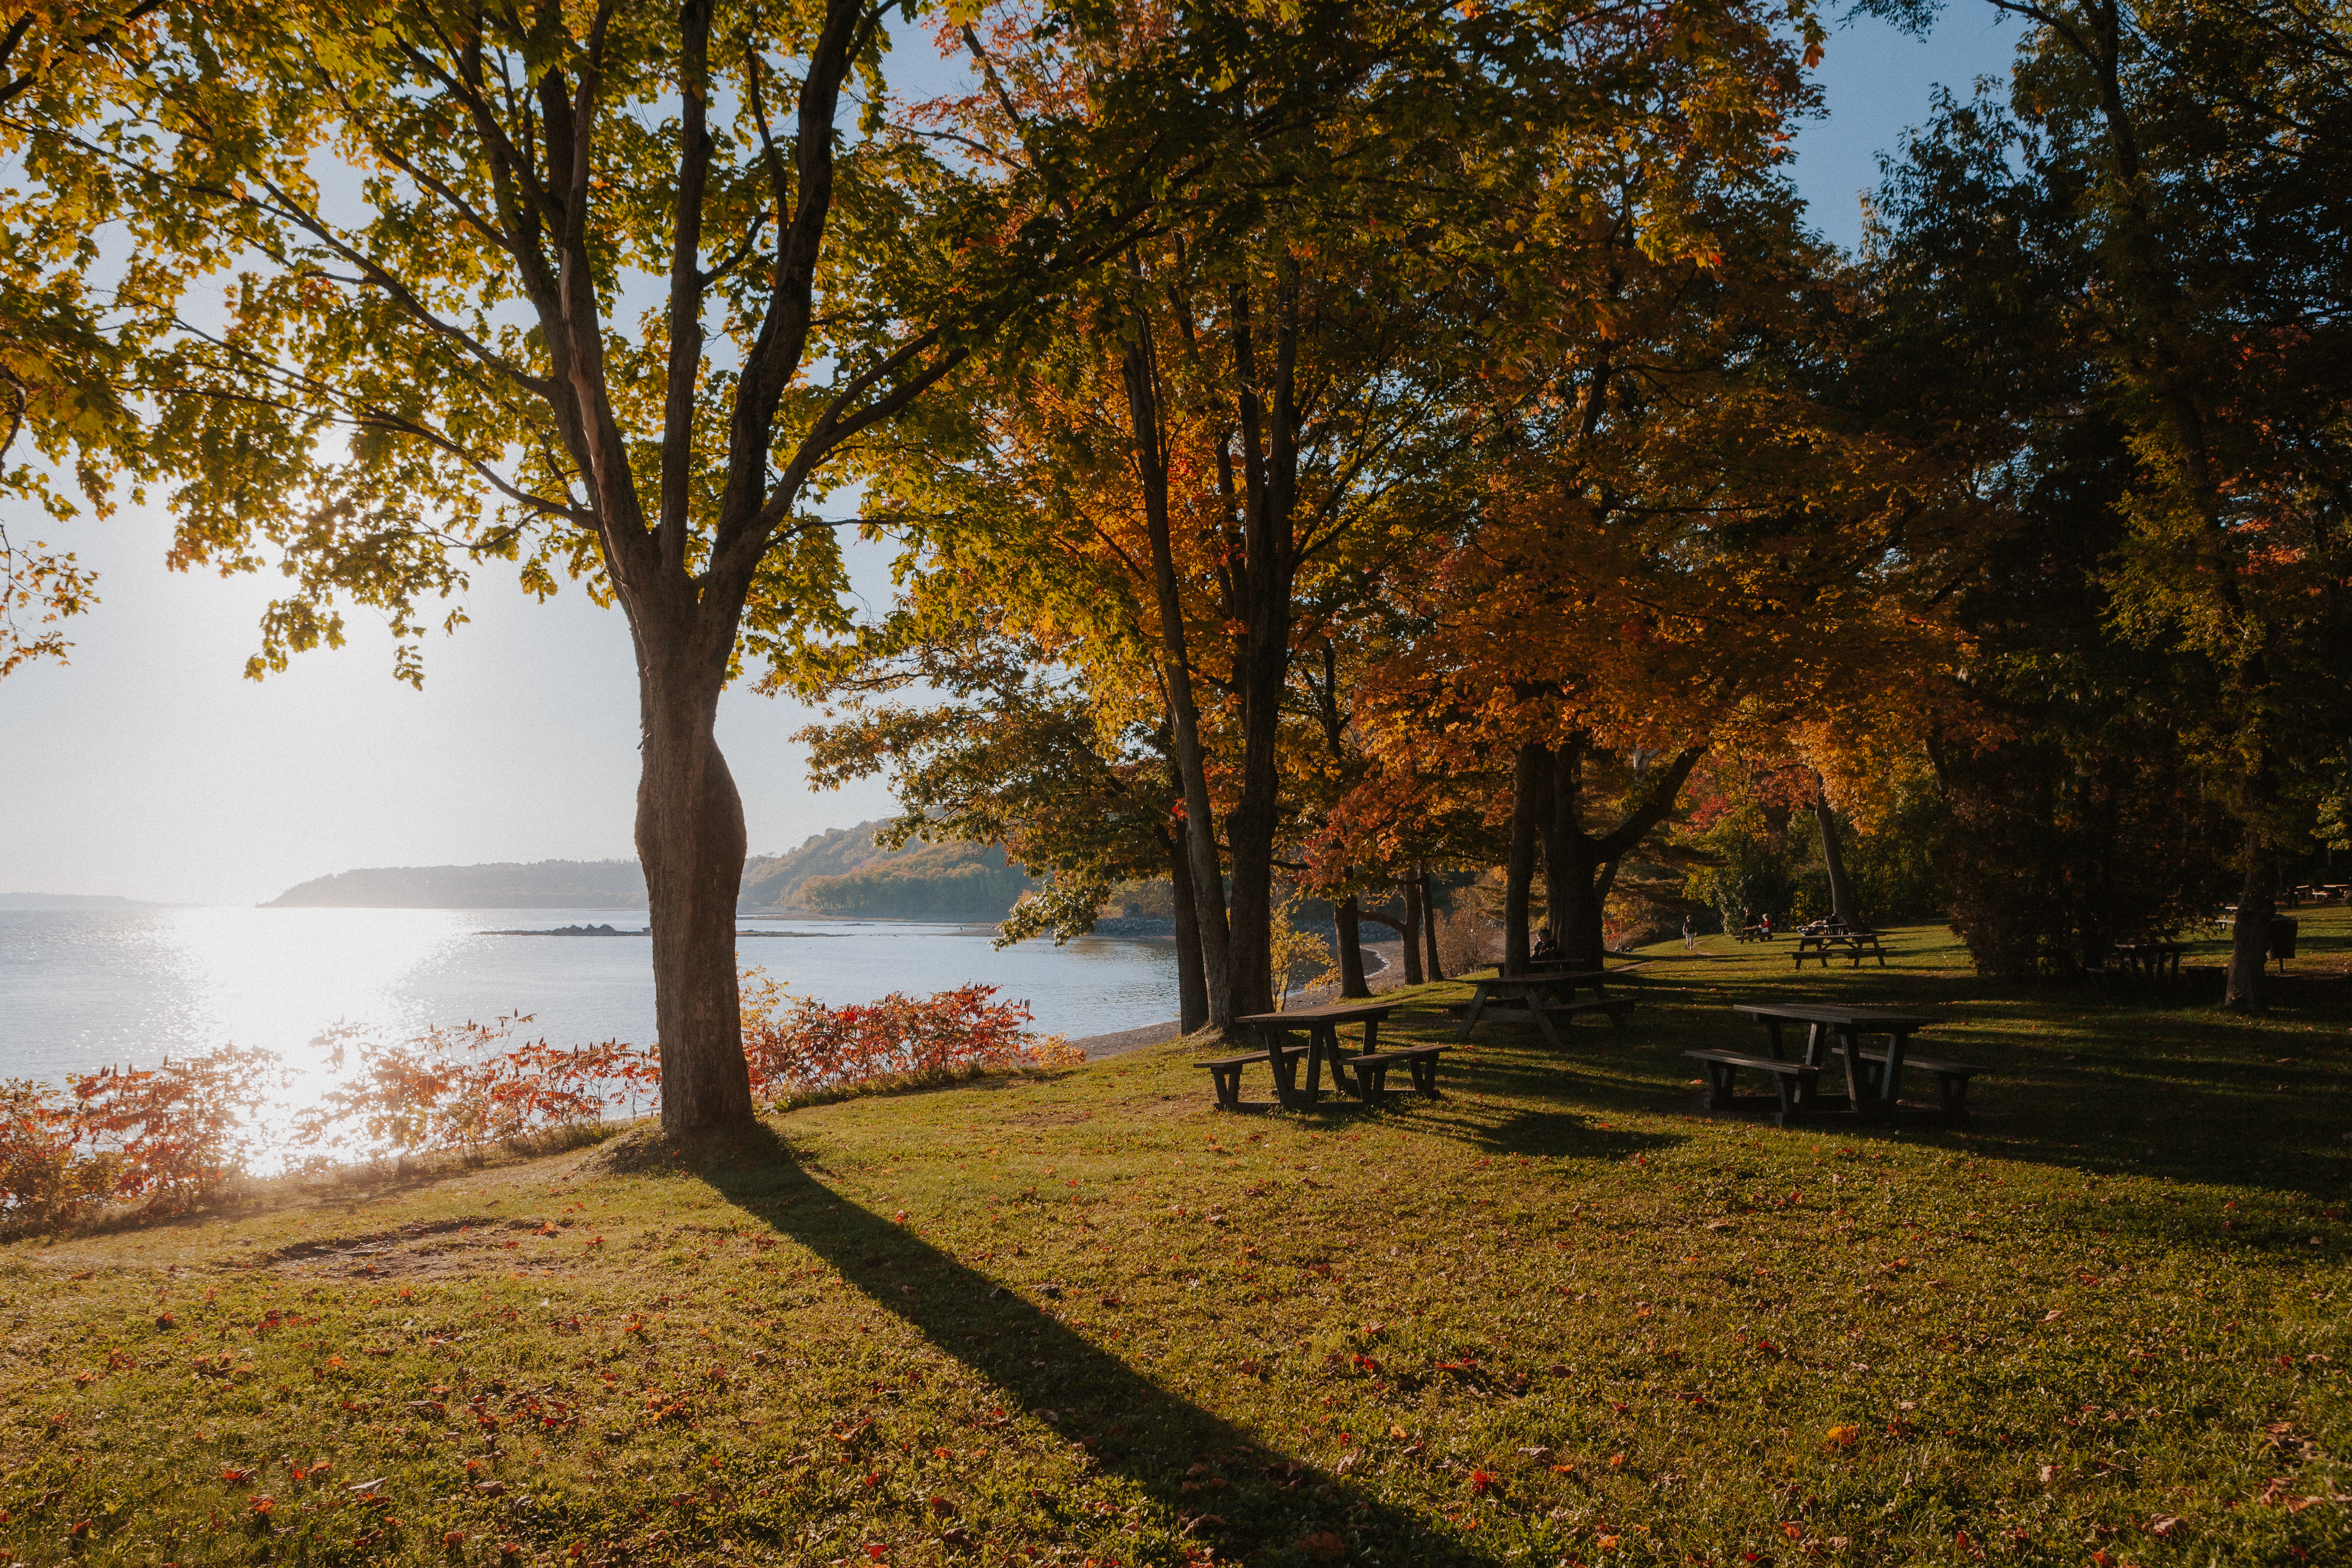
[[2150, 1081], [1128, 1424]]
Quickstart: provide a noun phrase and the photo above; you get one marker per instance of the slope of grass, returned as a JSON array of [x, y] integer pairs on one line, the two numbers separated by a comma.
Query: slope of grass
[[1557, 1316]]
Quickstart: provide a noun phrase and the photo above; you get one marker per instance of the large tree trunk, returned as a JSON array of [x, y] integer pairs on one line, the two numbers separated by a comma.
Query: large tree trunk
[[1141, 376], [1269, 429], [690, 842], [1833, 858], [1256, 816], [1530, 785], [1412, 932], [1191, 982], [1346, 925], [2250, 934], [1429, 924], [1572, 893]]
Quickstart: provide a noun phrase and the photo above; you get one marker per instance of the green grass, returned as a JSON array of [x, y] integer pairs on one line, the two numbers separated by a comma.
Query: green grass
[[1557, 1316]]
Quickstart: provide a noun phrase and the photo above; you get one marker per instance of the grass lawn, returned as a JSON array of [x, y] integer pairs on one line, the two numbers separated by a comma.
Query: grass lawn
[[1556, 1316]]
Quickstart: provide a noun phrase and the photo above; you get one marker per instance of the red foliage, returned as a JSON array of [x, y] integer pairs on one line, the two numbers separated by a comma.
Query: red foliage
[[799, 1045], [168, 1134], [464, 1088]]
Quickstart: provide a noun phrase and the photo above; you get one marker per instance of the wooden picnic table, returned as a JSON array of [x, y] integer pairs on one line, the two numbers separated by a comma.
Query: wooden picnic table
[[1566, 972], [2152, 960], [1873, 1079], [1820, 944], [1542, 995], [1365, 1073]]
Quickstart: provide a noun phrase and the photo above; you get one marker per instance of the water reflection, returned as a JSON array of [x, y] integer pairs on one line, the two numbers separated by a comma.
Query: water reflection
[[80, 989]]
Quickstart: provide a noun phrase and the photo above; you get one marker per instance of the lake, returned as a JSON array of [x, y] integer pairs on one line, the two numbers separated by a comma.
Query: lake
[[83, 989]]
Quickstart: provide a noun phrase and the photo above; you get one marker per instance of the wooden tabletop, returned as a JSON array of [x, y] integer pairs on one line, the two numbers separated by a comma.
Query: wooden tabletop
[[1830, 1013], [1337, 1012]]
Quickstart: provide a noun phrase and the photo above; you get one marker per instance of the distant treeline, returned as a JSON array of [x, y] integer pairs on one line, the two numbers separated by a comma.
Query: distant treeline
[[930, 879], [839, 872]]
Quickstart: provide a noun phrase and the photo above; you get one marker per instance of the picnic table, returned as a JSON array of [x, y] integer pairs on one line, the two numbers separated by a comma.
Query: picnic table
[[2152, 960], [1364, 1074], [1543, 996], [1874, 1079], [1821, 944]]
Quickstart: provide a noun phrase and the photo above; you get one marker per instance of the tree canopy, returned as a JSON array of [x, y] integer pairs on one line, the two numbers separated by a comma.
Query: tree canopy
[[1326, 445]]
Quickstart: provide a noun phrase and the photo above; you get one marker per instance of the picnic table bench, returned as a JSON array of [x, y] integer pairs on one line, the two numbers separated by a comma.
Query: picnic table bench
[[1753, 933], [1364, 1074], [1874, 1079], [1861, 944], [1544, 997]]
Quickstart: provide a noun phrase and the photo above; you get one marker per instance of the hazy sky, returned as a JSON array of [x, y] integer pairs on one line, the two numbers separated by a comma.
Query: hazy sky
[[150, 767]]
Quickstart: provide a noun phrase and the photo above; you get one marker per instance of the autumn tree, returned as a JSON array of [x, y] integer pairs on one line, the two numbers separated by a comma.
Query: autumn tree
[[986, 739], [1292, 354], [614, 292], [59, 363], [1703, 536], [2174, 163]]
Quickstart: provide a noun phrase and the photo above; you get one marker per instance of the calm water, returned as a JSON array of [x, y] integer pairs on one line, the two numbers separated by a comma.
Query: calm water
[[80, 989]]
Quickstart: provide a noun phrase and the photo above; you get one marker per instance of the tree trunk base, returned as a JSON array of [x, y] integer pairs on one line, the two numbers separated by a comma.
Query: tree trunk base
[[650, 1151]]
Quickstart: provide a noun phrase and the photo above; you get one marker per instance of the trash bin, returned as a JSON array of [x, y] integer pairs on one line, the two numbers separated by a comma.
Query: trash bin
[[2282, 930]]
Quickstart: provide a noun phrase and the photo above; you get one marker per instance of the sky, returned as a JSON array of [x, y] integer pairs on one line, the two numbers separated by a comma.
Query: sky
[[149, 768]]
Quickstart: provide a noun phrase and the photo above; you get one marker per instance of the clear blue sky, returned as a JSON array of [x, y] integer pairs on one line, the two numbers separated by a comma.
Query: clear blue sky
[[148, 767]]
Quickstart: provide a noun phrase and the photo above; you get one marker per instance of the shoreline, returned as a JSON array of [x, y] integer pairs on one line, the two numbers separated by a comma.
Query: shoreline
[[1119, 1042]]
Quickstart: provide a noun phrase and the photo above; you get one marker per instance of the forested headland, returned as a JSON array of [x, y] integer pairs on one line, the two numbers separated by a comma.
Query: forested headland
[[843, 871]]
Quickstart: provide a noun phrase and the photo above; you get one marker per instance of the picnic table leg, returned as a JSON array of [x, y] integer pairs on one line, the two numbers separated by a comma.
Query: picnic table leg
[[1322, 1042], [1894, 1044], [1277, 1056], [1772, 1038], [1478, 1005], [1817, 1039], [1536, 1006], [1857, 1096]]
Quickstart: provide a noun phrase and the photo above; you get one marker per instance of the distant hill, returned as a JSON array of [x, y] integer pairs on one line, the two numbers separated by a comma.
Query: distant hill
[[960, 880], [843, 873], [772, 881], [540, 885], [71, 902], [840, 872]]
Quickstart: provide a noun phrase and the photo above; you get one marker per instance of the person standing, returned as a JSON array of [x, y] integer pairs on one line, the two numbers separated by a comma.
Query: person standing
[[1690, 936]]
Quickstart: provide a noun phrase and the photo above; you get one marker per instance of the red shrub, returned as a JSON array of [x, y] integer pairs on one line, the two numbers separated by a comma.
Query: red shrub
[[170, 1133], [799, 1045]]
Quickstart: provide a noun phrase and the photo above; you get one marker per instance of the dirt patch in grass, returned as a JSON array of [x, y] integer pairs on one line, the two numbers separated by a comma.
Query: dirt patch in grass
[[471, 1244]]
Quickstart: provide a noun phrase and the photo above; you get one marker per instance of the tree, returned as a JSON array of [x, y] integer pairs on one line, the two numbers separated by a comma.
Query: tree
[[1009, 750], [608, 292], [1703, 537], [58, 64], [1289, 357], [2184, 149]]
